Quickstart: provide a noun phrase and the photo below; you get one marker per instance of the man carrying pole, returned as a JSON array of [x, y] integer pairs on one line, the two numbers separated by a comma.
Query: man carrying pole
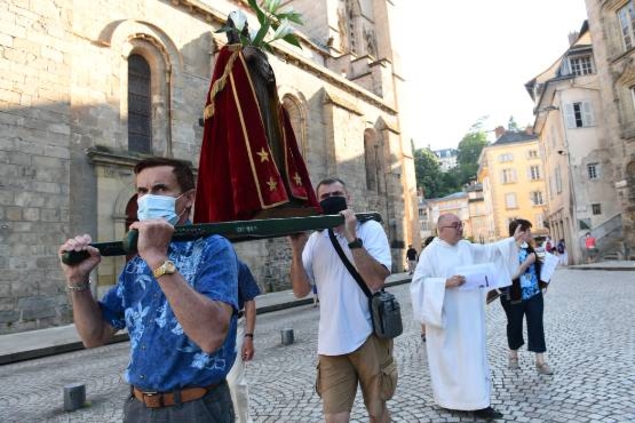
[[178, 301]]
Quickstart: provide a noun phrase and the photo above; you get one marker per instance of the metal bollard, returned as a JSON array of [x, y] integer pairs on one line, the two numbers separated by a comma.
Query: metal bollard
[[74, 396], [287, 336]]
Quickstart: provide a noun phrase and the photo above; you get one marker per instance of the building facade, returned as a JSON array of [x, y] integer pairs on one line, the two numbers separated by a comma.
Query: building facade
[[579, 168], [87, 90], [426, 225], [447, 158], [468, 205], [612, 29], [455, 203], [478, 224], [513, 181]]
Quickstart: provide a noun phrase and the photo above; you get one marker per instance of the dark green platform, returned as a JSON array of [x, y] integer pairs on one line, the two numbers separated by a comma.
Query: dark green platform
[[235, 231]]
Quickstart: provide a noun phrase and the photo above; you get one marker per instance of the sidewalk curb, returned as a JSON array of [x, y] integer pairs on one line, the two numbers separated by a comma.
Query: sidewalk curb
[[607, 268], [54, 350], [613, 269], [66, 347]]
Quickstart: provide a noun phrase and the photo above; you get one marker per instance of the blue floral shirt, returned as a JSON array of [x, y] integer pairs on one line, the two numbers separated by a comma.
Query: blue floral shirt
[[162, 357], [247, 287], [528, 280]]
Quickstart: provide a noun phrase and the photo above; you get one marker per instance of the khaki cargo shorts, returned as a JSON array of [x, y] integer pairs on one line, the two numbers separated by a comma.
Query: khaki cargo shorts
[[371, 365]]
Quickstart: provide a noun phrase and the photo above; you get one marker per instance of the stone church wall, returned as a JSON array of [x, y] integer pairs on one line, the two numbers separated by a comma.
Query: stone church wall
[[63, 135]]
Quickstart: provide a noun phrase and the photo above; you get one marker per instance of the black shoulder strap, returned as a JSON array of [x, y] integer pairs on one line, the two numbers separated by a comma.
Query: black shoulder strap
[[349, 265]]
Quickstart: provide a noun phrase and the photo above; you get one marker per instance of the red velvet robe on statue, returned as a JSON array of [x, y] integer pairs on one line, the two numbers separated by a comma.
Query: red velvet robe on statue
[[237, 175]]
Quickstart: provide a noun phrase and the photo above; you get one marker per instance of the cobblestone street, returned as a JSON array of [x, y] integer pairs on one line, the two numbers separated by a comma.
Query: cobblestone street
[[590, 339]]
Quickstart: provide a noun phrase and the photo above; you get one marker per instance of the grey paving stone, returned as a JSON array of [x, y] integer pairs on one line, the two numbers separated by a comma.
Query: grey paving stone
[[589, 330]]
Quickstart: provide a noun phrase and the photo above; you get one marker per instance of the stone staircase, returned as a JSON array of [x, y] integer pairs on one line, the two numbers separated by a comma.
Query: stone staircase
[[620, 251], [609, 240]]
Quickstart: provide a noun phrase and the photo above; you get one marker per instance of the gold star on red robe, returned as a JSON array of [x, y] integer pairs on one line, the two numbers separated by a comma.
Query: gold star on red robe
[[272, 184], [264, 156], [297, 179]]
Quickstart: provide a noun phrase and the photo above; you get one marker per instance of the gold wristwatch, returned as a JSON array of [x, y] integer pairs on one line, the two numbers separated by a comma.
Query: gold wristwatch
[[167, 268]]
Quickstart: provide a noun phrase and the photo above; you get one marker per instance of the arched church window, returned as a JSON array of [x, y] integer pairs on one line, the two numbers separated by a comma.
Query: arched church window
[[139, 105], [295, 117]]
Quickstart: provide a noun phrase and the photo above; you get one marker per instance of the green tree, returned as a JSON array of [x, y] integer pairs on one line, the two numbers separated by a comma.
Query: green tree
[[469, 151], [431, 179], [512, 126], [451, 181], [428, 172], [436, 184]]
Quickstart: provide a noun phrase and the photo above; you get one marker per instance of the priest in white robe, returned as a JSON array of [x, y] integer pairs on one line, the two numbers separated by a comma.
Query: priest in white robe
[[455, 318]]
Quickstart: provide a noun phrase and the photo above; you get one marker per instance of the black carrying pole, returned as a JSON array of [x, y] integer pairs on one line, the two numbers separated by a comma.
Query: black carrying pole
[[235, 231]]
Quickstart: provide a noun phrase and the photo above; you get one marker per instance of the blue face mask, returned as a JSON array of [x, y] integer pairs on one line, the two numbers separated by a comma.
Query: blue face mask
[[152, 206]]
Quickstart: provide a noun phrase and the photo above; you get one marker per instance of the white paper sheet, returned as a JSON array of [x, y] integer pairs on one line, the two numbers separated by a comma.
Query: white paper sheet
[[549, 264], [480, 276]]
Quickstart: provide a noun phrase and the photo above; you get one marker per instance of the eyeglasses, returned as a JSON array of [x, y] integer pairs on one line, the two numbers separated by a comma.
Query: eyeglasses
[[456, 225], [332, 194]]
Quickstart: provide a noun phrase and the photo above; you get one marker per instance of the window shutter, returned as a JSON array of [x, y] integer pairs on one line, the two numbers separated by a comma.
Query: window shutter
[[587, 114], [569, 116], [514, 178]]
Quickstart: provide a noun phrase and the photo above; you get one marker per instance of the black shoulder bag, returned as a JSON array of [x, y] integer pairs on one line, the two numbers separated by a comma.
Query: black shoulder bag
[[385, 311]]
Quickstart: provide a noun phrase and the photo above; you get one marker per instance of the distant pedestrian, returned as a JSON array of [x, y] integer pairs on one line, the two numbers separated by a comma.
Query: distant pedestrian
[[548, 246], [591, 248], [411, 256], [349, 352], [562, 253]]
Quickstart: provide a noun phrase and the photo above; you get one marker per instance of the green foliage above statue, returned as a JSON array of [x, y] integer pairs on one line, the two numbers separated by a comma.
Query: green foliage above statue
[[270, 18]]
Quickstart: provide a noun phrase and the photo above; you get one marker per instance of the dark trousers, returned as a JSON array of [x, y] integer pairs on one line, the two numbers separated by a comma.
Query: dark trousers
[[533, 308], [214, 407]]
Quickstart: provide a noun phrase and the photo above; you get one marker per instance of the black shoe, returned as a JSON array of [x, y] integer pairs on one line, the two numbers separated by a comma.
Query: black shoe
[[423, 337], [488, 414]]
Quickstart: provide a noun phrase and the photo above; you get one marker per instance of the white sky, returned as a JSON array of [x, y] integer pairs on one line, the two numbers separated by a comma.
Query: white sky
[[474, 57]]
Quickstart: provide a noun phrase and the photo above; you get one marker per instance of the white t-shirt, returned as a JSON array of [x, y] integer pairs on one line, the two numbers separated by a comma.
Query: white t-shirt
[[345, 320]]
